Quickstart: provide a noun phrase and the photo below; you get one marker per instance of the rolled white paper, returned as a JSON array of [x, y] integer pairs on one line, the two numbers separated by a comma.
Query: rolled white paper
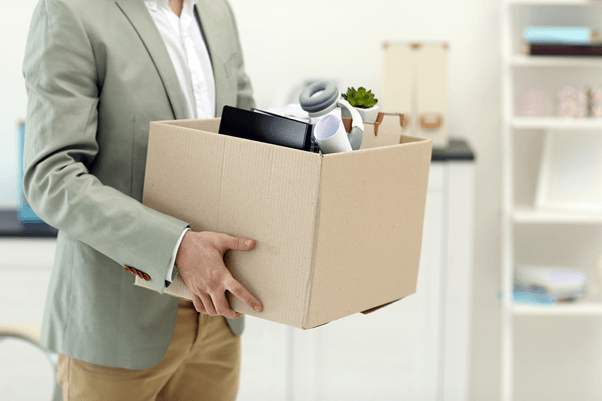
[[331, 136]]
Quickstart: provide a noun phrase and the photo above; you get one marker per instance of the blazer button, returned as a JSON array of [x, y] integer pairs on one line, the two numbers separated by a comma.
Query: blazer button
[[146, 277], [128, 269]]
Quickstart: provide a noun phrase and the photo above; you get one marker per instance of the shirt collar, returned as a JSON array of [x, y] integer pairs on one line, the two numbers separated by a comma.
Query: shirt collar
[[151, 4]]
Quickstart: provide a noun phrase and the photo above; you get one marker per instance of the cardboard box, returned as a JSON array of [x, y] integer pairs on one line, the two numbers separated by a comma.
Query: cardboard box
[[335, 234]]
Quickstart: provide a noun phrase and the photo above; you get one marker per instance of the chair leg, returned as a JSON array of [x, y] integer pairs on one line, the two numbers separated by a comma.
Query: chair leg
[[58, 390], [58, 393], [52, 357]]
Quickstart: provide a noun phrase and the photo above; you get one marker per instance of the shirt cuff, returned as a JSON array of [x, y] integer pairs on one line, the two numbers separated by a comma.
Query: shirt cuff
[[172, 261]]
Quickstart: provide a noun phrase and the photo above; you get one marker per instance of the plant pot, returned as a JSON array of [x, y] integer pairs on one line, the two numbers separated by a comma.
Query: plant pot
[[368, 115]]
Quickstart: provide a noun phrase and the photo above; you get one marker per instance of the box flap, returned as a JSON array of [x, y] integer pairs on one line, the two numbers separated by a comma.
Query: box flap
[[207, 125], [368, 311]]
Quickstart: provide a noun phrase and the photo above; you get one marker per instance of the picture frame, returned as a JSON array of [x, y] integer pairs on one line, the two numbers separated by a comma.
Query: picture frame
[[570, 172]]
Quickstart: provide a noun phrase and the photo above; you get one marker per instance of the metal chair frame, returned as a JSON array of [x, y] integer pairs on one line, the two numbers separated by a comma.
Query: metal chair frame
[[31, 333]]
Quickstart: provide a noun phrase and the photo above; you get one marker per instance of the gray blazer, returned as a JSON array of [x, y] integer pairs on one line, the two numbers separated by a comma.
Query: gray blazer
[[97, 72]]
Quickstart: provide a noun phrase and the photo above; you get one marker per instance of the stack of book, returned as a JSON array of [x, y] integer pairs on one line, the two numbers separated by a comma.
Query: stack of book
[[562, 41], [535, 284]]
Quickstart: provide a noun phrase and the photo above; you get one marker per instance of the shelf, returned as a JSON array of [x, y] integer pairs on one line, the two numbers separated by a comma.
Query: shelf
[[556, 2], [568, 309], [545, 73], [556, 62], [532, 215], [557, 123]]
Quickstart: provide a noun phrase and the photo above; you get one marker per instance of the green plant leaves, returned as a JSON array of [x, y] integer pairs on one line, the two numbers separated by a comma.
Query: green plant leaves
[[360, 97]]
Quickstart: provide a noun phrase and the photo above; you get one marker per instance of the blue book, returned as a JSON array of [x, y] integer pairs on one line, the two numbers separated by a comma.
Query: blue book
[[561, 35], [524, 295], [26, 214]]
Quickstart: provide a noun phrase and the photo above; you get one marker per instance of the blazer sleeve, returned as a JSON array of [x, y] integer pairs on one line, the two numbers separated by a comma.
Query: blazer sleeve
[[245, 98], [61, 142]]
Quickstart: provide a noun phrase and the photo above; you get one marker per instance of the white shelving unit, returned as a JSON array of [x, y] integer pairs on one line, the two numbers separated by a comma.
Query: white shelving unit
[[526, 215], [581, 309], [556, 123], [520, 60], [516, 215], [554, 2]]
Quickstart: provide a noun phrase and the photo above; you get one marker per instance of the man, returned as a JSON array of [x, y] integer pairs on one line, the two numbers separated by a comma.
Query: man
[[97, 72]]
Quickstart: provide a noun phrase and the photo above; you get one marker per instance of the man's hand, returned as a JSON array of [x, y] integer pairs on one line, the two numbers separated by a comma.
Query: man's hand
[[200, 261]]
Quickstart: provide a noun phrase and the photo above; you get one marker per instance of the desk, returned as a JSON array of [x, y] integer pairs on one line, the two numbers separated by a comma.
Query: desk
[[416, 349], [11, 227]]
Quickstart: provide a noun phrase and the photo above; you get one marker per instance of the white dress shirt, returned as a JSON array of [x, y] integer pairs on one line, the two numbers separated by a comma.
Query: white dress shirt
[[189, 55], [190, 58]]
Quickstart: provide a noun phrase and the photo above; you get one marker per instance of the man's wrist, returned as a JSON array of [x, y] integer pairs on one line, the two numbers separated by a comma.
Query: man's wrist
[[172, 271]]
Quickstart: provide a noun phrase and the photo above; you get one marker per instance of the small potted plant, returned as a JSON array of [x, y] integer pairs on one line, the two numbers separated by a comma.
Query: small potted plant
[[364, 102]]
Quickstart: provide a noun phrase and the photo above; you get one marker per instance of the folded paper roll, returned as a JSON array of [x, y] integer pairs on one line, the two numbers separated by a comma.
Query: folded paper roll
[[331, 136]]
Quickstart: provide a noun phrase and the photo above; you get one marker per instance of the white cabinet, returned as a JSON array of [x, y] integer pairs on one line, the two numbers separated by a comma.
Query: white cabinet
[[264, 368]]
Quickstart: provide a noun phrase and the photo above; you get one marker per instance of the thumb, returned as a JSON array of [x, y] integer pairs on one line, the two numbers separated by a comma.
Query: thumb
[[239, 243]]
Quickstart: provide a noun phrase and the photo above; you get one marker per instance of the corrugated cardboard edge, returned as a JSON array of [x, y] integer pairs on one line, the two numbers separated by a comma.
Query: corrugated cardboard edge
[[291, 312], [310, 278], [407, 141]]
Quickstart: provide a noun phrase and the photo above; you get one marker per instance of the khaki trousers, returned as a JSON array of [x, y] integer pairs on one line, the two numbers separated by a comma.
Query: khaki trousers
[[202, 363]]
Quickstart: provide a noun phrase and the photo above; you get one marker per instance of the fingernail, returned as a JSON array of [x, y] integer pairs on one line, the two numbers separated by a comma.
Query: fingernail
[[258, 308], [248, 242]]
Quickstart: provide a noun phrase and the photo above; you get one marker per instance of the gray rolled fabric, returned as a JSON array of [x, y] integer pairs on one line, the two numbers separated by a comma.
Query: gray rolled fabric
[[322, 101]]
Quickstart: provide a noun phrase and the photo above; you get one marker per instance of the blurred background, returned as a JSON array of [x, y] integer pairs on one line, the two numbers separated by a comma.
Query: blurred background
[[508, 301]]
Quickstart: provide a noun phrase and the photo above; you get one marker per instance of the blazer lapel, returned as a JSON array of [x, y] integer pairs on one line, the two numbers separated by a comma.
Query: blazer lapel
[[143, 23], [212, 32]]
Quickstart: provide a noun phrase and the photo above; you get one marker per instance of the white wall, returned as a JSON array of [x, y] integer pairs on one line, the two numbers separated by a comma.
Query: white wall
[[286, 42], [14, 25]]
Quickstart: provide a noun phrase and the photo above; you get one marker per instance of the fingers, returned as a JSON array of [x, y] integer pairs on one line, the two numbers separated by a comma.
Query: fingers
[[208, 304], [241, 293], [207, 276], [236, 243], [198, 304], [222, 307]]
